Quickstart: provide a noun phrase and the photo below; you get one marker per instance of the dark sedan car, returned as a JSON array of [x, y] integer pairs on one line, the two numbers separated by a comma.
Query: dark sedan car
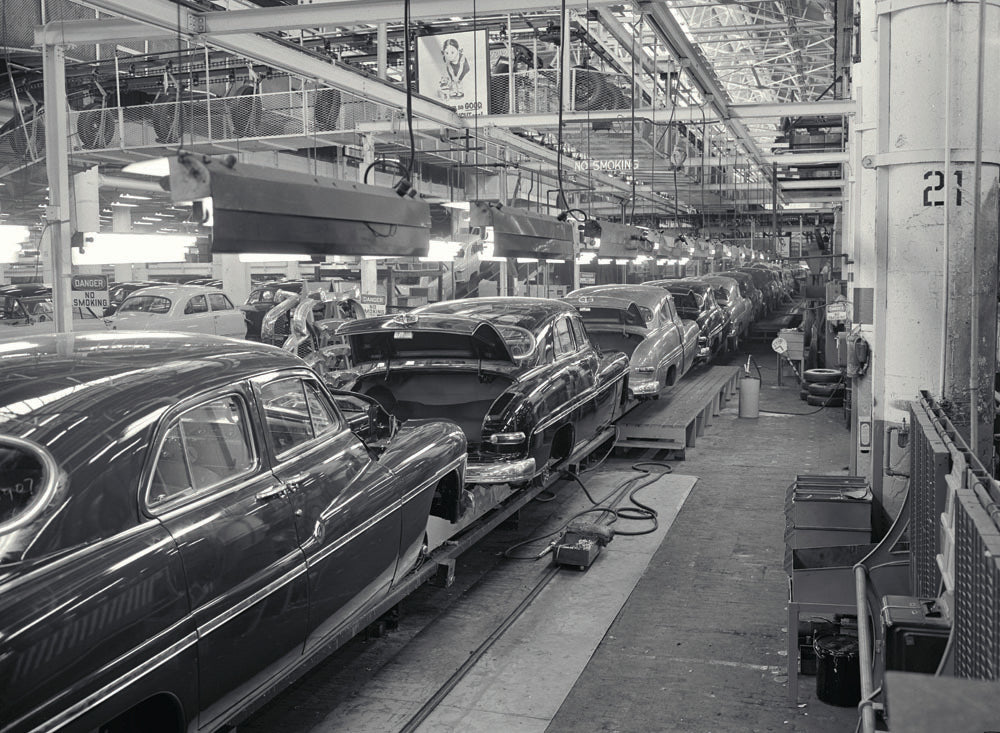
[[520, 375], [186, 522], [695, 300], [264, 297]]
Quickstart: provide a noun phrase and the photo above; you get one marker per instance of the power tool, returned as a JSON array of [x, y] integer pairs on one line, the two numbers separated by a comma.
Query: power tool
[[581, 543]]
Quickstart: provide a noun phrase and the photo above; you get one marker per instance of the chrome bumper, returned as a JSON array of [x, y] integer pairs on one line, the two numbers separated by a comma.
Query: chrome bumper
[[500, 472], [644, 388]]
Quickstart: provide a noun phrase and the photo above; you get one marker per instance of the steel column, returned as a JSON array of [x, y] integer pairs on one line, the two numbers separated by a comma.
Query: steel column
[[57, 169]]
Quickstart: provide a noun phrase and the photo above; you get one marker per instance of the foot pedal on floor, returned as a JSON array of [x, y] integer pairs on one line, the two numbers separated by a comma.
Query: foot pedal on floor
[[581, 543]]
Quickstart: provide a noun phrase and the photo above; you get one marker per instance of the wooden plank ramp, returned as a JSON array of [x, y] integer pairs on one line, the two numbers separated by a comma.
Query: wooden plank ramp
[[676, 420]]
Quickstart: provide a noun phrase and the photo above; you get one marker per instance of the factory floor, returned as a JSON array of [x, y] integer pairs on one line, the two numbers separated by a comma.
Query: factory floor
[[700, 643], [683, 629]]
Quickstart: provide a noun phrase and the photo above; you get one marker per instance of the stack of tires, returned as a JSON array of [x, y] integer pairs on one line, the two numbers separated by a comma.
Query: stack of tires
[[823, 387]]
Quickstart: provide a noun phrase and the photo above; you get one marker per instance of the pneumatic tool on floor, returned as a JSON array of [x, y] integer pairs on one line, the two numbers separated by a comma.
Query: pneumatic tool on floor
[[581, 543]]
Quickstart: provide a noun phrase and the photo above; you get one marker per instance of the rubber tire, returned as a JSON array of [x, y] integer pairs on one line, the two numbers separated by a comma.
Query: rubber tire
[[89, 126], [825, 389], [245, 110], [825, 401], [803, 393], [820, 376]]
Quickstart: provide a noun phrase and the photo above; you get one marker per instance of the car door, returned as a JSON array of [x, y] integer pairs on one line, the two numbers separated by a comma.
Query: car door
[[580, 366], [210, 485], [227, 320], [195, 317], [606, 395], [347, 506]]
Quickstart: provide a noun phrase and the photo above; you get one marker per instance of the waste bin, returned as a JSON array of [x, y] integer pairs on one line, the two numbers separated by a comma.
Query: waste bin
[[749, 397], [838, 672]]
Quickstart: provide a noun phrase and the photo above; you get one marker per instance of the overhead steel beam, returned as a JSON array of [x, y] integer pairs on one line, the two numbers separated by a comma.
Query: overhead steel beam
[[164, 14], [260, 20]]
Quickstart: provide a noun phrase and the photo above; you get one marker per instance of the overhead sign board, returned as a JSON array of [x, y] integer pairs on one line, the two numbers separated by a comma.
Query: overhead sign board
[[90, 291], [837, 310]]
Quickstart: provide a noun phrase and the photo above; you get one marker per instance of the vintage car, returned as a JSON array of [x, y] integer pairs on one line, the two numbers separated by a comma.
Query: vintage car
[[694, 300], [187, 522], [264, 297], [117, 292], [27, 310], [728, 296], [749, 290], [188, 308], [520, 375], [306, 325], [766, 284], [641, 321]]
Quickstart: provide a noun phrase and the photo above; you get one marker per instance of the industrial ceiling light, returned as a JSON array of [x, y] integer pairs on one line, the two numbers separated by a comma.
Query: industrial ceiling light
[[12, 239], [617, 240], [521, 233], [156, 167], [259, 209], [104, 248], [272, 257]]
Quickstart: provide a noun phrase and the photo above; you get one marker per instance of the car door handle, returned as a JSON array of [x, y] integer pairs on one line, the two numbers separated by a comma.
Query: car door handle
[[294, 483], [272, 492]]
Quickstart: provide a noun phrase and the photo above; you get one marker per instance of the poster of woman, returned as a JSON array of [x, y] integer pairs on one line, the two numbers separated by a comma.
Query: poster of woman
[[453, 67]]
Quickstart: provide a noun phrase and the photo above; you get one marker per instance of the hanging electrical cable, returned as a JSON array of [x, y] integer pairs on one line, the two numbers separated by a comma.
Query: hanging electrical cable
[[635, 29], [564, 40], [408, 71]]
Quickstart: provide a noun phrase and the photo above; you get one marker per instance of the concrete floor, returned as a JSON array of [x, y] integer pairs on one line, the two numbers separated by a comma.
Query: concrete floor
[[700, 644], [694, 641]]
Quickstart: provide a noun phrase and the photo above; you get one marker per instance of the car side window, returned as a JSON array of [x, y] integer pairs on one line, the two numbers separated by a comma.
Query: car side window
[[220, 302], [197, 304], [579, 332], [296, 411], [206, 446], [563, 338], [666, 311], [324, 415]]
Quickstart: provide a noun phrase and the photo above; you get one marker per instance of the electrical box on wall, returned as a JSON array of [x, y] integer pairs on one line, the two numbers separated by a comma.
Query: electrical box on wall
[[865, 436]]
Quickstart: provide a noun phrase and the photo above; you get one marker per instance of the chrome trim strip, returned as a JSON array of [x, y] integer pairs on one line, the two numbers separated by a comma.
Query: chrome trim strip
[[215, 623], [589, 394], [68, 715]]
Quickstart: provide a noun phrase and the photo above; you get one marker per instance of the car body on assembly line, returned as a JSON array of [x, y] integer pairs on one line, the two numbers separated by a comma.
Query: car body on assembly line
[[262, 298], [117, 292], [728, 296], [641, 321], [188, 308], [695, 300], [520, 375], [187, 522], [749, 290]]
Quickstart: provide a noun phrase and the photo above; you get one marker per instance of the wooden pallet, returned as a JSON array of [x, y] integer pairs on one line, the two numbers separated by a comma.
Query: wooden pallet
[[682, 413]]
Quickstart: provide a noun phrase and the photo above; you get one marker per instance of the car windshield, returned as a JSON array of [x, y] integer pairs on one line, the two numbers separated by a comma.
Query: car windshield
[[37, 306], [686, 300], [145, 304]]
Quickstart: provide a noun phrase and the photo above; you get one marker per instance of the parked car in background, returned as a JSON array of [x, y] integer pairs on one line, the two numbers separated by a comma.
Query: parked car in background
[[211, 282], [641, 321], [186, 522], [727, 294], [117, 292], [749, 290], [27, 309], [188, 308], [695, 300], [519, 375], [264, 297], [767, 286]]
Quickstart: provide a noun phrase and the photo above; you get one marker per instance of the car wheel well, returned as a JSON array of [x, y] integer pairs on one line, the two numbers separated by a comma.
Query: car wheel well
[[447, 497], [671, 376], [161, 713], [562, 444]]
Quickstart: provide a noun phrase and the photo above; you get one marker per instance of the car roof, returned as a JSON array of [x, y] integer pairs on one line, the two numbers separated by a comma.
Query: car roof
[[720, 279], [177, 291], [527, 313], [645, 295], [104, 382], [25, 290], [685, 283]]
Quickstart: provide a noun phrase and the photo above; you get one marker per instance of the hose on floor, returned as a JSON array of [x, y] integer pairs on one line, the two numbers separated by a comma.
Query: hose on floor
[[607, 507]]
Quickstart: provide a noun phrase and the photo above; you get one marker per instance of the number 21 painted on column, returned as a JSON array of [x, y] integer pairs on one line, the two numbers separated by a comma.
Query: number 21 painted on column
[[940, 185]]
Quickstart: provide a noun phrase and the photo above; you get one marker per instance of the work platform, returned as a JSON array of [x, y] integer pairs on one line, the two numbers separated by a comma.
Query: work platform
[[680, 415]]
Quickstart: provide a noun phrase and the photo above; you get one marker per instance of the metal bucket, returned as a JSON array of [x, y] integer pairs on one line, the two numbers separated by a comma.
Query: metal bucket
[[749, 397], [838, 672]]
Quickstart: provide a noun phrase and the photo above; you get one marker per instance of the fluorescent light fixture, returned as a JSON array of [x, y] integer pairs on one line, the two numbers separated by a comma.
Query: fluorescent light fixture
[[11, 240], [127, 206], [135, 197], [156, 167], [604, 261], [442, 250], [673, 262], [103, 248], [523, 233], [272, 257], [526, 260], [461, 205], [642, 258], [585, 258], [622, 261], [489, 248], [662, 261]]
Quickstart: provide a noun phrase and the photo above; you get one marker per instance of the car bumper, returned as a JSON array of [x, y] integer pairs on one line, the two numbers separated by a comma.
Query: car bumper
[[500, 472], [643, 388]]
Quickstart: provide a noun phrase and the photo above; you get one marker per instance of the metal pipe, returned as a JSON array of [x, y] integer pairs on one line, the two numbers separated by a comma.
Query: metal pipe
[[864, 649], [946, 247], [57, 170], [976, 194]]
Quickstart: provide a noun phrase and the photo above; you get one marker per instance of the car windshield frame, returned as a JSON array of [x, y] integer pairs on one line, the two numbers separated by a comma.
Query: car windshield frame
[[153, 304]]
